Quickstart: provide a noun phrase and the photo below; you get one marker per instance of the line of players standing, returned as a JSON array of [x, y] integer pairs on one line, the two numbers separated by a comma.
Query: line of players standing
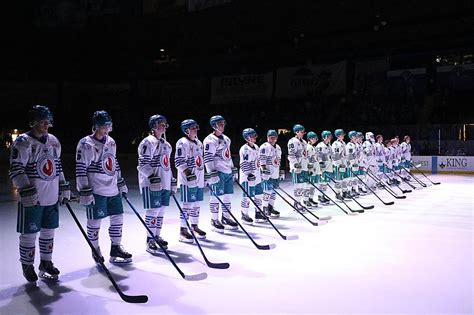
[[36, 170]]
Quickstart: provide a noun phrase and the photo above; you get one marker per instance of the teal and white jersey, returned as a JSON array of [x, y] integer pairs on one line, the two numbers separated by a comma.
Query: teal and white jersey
[[270, 156]]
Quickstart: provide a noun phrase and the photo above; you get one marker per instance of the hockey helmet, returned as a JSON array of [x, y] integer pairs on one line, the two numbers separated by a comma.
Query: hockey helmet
[[248, 132], [39, 113], [188, 124]]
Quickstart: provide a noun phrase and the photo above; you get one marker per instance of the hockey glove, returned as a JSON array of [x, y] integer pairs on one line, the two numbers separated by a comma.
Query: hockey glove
[[64, 192], [251, 178], [123, 189], [174, 186], [86, 198], [212, 178], [310, 166], [281, 175], [265, 174], [155, 183], [235, 173], [29, 196], [191, 180]]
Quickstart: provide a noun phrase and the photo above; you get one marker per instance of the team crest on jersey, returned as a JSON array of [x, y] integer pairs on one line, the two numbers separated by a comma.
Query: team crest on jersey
[[108, 164], [46, 167], [165, 162], [199, 162], [226, 154], [276, 162]]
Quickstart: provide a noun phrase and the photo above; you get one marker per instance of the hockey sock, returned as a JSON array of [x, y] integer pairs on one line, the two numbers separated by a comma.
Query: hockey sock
[[115, 228], [244, 205], [194, 214], [159, 220], [214, 207], [187, 208], [27, 248], [46, 243], [93, 227], [227, 205], [150, 220]]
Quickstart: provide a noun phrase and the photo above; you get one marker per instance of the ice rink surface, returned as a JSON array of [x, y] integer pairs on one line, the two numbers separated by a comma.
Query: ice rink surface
[[413, 257]]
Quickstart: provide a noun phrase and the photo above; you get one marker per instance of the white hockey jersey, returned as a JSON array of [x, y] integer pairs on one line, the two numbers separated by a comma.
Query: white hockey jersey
[[35, 163], [217, 156], [351, 154], [406, 151], [379, 153], [270, 156], [189, 155], [154, 159], [249, 164], [297, 153], [97, 166], [324, 152], [313, 160], [339, 153]]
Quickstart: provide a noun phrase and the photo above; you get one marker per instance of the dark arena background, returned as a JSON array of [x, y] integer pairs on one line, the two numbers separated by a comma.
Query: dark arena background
[[393, 68]]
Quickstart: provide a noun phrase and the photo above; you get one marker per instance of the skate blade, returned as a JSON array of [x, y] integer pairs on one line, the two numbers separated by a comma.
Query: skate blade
[[47, 276], [230, 228], [187, 241], [218, 230], [247, 223], [200, 237], [120, 261]]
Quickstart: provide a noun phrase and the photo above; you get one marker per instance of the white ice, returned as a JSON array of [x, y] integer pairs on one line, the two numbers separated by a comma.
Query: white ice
[[414, 257]]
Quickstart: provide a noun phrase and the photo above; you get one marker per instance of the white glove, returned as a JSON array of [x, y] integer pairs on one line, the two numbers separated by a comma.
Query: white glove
[[123, 189], [29, 196], [212, 178], [297, 168], [174, 186], [251, 178], [155, 183], [86, 198], [64, 192], [191, 180], [265, 174], [310, 166], [281, 175], [235, 173]]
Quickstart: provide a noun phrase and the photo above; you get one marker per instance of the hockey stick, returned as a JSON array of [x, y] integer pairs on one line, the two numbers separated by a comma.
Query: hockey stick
[[416, 178], [342, 200], [384, 202], [416, 167], [403, 180], [385, 186], [209, 264], [324, 194], [288, 238], [262, 247], [360, 205], [301, 213], [196, 277], [310, 212], [125, 297]]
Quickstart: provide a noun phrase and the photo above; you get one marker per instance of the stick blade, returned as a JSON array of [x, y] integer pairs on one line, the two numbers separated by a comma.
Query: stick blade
[[266, 247], [196, 277], [134, 298], [325, 218], [369, 207], [291, 237], [359, 211], [401, 197], [390, 203], [218, 265]]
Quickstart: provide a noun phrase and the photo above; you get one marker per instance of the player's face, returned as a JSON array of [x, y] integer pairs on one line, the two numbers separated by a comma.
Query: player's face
[[220, 126], [300, 134], [161, 127], [252, 138], [42, 126], [272, 140], [193, 131], [408, 140], [102, 131], [313, 140]]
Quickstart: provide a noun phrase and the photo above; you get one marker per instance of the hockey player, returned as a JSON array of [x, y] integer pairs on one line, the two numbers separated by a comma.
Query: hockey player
[[368, 159], [100, 185], [405, 147], [221, 173], [388, 158], [340, 164], [362, 160], [249, 176], [314, 170], [352, 164], [396, 158], [324, 156], [298, 158], [270, 160], [36, 171], [189, 162], [379, 158], [155, 179]]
